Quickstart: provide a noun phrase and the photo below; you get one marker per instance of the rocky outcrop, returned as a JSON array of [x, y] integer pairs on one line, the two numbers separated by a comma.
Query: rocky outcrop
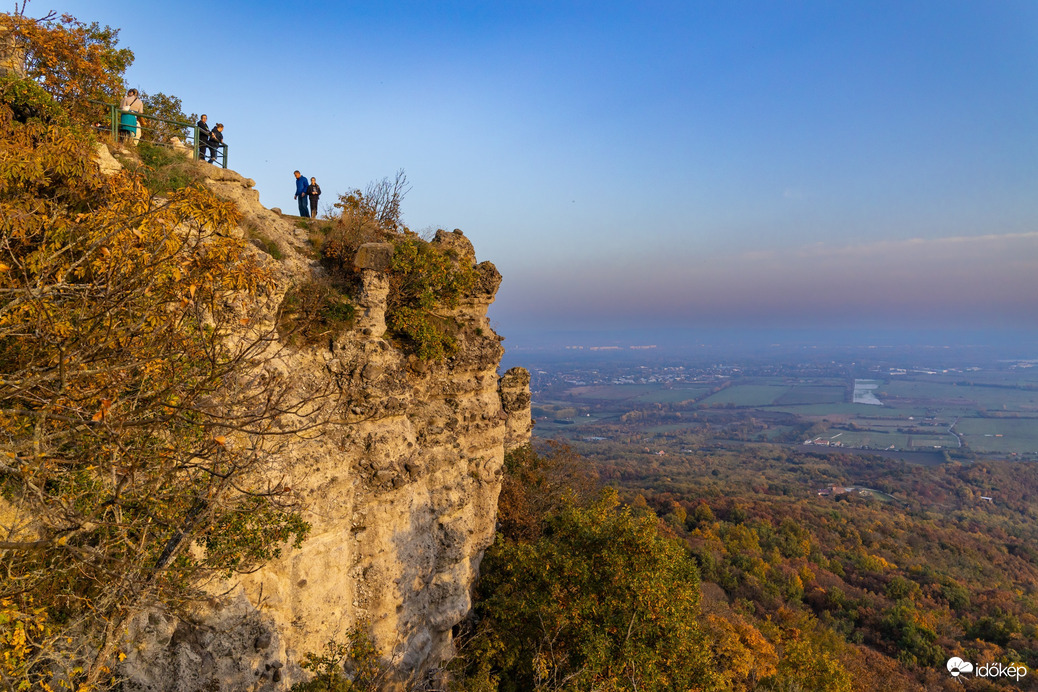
[[400, 491], [105, 161]]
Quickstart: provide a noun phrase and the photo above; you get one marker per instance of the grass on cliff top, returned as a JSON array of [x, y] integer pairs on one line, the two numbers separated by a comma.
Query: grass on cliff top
[[165, 170]]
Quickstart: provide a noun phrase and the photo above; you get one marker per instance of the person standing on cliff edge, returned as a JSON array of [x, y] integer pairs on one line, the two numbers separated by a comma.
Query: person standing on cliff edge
[[314, 192], [301, 188]]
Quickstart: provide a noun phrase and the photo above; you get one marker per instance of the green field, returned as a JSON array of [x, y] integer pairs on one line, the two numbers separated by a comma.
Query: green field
[[749, 395], [672, 396], [612, 392], [950, 395], [879, 495], [865, 411], [878, 439], [1000, 435], [1020, 377], [806, 394], [915, 414]]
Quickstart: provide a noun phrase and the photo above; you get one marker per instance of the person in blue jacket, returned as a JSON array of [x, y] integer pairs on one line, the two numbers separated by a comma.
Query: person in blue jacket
[[301, 188]]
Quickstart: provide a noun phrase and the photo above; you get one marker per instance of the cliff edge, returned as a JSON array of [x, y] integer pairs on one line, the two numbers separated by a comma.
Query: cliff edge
[[399, 481]]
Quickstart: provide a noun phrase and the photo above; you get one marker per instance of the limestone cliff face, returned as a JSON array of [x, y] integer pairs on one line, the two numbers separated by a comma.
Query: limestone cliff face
[[400, 489]]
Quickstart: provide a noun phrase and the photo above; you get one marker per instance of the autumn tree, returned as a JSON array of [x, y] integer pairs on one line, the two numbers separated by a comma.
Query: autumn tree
[[379, 204], [168, 107], [73, 61], [535, 486], [139, 420], [601, 600]]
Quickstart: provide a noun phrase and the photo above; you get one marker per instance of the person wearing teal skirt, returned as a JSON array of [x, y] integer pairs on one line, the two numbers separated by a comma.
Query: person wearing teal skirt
[[131, 105]]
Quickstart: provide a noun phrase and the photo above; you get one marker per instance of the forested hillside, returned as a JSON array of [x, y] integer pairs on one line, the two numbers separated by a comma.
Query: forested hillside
[[841, 591]]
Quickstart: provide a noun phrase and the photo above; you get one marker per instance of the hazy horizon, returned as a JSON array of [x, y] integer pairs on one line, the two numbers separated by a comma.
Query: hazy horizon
[[675, 345]]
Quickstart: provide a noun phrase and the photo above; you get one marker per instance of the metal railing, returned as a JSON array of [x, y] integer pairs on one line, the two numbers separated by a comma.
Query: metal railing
[[161, 133]]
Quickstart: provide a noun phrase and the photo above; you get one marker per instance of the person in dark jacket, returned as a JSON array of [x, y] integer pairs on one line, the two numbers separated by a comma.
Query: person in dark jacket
[[314, 193], [204, 136], [215, 141], [301, 188]]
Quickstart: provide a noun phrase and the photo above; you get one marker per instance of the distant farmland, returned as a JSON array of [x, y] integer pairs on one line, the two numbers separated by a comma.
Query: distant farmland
[[917, 412]]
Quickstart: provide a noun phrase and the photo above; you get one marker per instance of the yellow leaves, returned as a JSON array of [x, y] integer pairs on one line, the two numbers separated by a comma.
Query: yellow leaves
[[220, 440], [62, 329], [16, 648], [106, 405]]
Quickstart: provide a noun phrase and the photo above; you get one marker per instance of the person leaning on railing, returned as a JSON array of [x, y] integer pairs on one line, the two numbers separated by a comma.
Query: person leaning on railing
[[215, 141], [130, 106], [203, 138]]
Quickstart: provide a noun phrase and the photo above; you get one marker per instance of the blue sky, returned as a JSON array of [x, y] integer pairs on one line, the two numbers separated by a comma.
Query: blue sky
[[653, 164]]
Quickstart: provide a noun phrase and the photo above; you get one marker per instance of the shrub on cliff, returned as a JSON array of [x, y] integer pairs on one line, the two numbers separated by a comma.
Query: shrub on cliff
[[312, 312], [28, 100], [426, 281], [135, 412], [164, 170], [351, 666]]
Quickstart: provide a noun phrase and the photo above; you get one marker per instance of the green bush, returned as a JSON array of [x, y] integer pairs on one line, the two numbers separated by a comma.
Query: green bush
[[314, 311], [422, 280], [425, 280], [28, 100], [353, 666], [168, 107]]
